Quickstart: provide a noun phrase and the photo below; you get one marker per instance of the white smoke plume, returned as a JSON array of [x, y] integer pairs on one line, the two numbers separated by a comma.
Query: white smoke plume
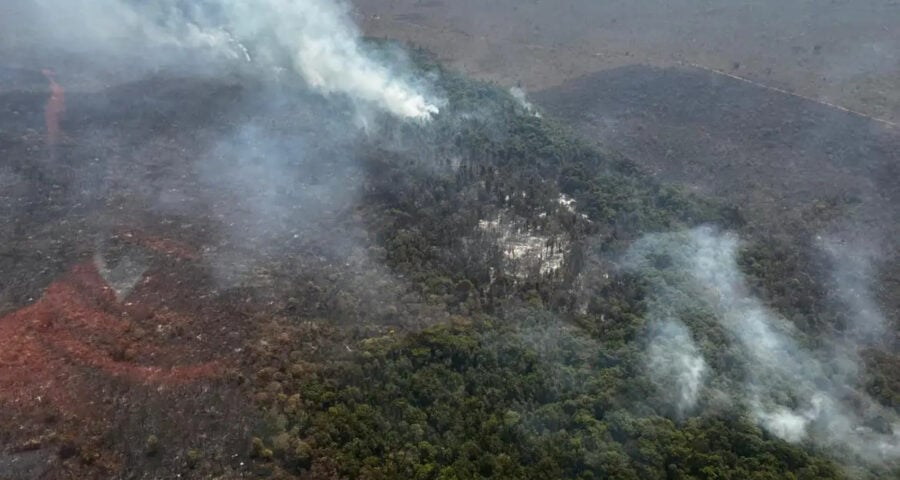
[[521, 97], [316, 39], [790, 390], [325, 49], [675, 364]]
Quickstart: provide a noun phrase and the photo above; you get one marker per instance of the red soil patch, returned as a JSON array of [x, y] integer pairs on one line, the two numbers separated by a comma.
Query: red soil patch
[[78, 324], [86, 377], [79, 327]]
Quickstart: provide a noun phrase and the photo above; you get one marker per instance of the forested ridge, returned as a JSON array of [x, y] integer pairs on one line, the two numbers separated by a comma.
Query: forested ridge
[[287, 240], [481, 370]]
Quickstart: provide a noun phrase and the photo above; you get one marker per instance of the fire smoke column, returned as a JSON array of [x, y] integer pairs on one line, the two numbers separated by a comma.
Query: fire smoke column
[[56, 106], [314, 39], [324, 47]]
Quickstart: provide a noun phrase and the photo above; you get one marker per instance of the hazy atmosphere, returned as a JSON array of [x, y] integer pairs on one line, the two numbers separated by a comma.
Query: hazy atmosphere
[[406, 239]]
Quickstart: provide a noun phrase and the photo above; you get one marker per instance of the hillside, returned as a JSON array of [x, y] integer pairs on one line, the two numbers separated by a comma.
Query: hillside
[[454, 299]]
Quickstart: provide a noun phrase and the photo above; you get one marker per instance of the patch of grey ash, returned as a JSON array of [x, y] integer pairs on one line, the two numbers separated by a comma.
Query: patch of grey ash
[[526, 251]]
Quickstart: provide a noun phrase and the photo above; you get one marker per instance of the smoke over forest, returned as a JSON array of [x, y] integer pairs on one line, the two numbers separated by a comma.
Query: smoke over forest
[[298, 239], [791, 391]]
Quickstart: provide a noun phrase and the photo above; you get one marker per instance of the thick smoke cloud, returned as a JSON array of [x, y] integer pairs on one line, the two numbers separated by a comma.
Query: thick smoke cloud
[[312, 38], [323, 46], [791, 390]]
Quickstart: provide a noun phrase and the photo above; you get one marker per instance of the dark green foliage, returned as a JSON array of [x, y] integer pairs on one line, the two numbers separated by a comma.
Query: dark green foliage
[[524, 398]]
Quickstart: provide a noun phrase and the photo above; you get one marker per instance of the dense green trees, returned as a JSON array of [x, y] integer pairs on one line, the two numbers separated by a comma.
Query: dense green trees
[[523, 398]]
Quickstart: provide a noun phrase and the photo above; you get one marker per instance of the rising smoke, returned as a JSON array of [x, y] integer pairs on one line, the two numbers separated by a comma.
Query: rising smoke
[[522, 98], [675, 364], [790, 390], [315, 39], [323, 46]]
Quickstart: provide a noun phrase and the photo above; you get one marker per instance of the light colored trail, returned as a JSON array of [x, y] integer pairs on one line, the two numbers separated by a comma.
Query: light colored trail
[[793, 94]]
